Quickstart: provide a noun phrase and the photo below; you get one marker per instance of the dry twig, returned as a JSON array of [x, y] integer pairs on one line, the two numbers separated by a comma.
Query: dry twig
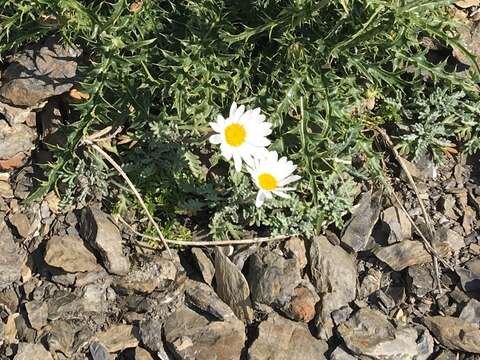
[[428, 222]]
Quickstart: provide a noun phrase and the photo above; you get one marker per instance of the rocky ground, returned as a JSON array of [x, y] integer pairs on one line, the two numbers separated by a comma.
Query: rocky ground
[[76, 285]]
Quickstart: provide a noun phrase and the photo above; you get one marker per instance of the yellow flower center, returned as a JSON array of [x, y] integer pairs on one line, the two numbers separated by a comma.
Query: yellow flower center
[[267, 181], [235, 134]]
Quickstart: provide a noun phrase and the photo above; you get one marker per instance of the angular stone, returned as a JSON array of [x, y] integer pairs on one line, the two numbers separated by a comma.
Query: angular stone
[[15, 140], [190, 335], [369, 333], [70, 254], [11, 259], [204, 298], [61, 336], [6, 190], [37, 312], [21, 222], [103, 235], [295, 248], [232, 287], [450, 237], [142, 354], [118, 337], [471, 312], [17, 115], [283, 339], [470, 280], [150, 332], [204, 264], [398, 223], [340, 354], [98, 351], [334, 276], [152, 273], [302, 305], [454, 333], [272, 279], [39, 72], [464, 4], [420, 280], [408, 253], [359, 228], [32, 351]]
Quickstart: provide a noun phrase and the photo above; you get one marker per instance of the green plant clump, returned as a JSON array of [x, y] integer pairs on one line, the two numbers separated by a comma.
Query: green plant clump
[[324, 72]]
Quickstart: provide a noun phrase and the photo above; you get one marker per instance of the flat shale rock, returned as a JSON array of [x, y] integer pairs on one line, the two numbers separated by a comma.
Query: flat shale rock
[[39, 72], [232, 287], [283, 339], [11, 258], [399, 226], [118, 337], [190, 335], [369, 333], [334, 275], [407, 253], [28, 351], [471, 312], [470, 280], [69, 253], [455, 333], [420, 280], [272, 278], [15, 140], [204, 264], [150, 332], [360, 226], [37, 312], [142, 354], [97, 228], [205, 299]]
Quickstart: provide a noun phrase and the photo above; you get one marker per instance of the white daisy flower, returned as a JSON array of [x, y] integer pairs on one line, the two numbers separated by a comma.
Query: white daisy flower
[[243, 135], [271, 175]]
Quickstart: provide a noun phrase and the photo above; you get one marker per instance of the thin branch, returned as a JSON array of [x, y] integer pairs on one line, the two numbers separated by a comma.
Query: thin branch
[[117, 167], [428, 221], [205, 243]]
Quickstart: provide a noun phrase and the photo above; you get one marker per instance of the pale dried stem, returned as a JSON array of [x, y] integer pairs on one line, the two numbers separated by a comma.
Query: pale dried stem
[[90, 142], [428, 221], [205, 243]]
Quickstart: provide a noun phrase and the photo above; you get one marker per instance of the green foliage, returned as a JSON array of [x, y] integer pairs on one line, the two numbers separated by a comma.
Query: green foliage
[[163, 72]]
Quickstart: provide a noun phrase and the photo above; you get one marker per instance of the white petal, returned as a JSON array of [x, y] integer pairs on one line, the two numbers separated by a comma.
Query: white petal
[[260, 199], [239, 112], [220, 120], [215, 139], [233, 109], [268, 195], [238, 161], [290, 179], [226, 151], [281, 194], [216, 127]]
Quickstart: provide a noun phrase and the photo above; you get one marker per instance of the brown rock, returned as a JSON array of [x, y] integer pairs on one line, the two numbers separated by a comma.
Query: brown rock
[[232, 287], [32, 351], [21, 223], [6, 190], [204, 264], [302, 305], [454, 333], [142, 354], [190, 335], [13, 162], [37, 312], [15, 140], [11, 259], [283, 339], [118, 337], [39, 72], [407, 253], [70, 254]]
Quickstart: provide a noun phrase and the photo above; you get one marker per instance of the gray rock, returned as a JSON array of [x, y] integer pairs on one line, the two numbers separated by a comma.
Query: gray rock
[[407, 253], [11, 259], [471, 312], [283, 339], [103, 235], [21, 222], [37, 312], [370, 283], [340, 354], [118, 337], [70, 254], [359, 228], [32, 351], [150, 332], [154, 272], [98, 351], [334, 276], [369, 333], [398, 224], [341, 315], [455, 333], [18, 115], [420, 280], [272, 279], [204, 264], [38, 73], [204, 298], [450, 237], [190, 335], [232, 287], [295, 248], [470, 280], [15, 140]]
